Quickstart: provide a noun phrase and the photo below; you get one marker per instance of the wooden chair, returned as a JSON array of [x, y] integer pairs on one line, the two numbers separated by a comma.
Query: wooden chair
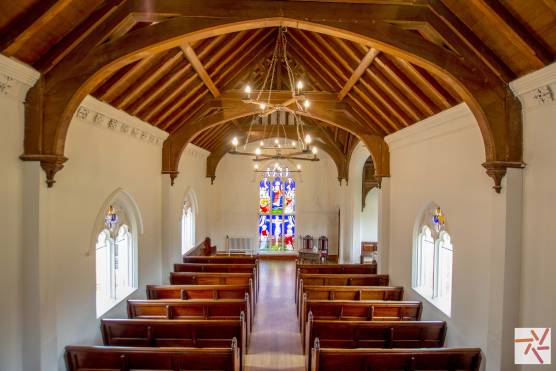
[[190, 309], [449, 359], [99, 358], [196, 292], [331, 279], [393, 293], [370, 334], [175, 333], [368, 310]]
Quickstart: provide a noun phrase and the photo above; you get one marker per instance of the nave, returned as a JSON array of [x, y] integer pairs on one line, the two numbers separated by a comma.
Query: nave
[[242, 312]]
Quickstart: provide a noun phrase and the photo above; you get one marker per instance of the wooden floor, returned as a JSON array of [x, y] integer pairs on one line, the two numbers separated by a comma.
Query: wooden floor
[[275, 341]]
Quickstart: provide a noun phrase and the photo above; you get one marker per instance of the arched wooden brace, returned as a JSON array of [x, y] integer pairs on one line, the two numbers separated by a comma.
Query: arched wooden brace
[[52, 103], [335, 154], [175, 144]]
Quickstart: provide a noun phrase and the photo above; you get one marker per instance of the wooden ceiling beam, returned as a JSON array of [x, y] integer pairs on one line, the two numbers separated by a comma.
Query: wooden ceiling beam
[[324, 80], [382, 98], [359, 71], [504, 23], [169, 82], [148, 80], [200, 69], [367, 104], [467, 43], [398, 78], [178, 104], [368, 115], [131, 76], [19, 31], [168, 101], [239, 54], [59, 51], [424, 85], [394, 93]]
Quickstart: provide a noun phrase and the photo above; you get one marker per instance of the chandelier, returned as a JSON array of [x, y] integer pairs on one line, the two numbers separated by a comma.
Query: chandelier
[[294, 149]]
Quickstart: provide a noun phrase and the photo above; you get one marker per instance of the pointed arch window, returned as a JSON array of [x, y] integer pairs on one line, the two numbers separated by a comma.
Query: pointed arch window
[[187, 227], [116, 260], [433, 260]]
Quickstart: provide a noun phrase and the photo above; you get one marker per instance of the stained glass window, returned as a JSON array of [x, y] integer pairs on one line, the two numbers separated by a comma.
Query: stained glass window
[[277, 213]]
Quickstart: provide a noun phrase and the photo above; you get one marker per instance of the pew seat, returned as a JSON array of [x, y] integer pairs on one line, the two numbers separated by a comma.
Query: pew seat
[[449, 359], [348, 293], [340, 279], [370, 334], [100, 358], [175, 333]]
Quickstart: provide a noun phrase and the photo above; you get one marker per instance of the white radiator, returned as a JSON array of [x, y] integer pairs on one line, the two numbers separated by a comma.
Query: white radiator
[[238, 244]]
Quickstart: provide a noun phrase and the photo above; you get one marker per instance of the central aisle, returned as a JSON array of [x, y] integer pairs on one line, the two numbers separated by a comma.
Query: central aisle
[[275, 340]]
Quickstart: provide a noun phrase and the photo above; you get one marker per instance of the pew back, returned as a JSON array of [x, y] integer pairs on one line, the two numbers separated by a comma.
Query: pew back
[[100, 358], [321, 279], [370, 334], [175, 333], [190, 309], [221, 259], [209, 278], [328, 359], [393, 293], [191, 292], [213, 267]]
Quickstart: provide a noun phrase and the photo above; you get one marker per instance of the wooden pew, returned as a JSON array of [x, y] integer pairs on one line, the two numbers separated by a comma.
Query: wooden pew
[[205, 248], [322, 279], [214, 267], [370, 334], [175, 333], [192, 292], [332, 269], [190, 309], [221, 259], [449, 359], [98, 358], [219, 268], [367, 310], [392, 293], [213, 278]]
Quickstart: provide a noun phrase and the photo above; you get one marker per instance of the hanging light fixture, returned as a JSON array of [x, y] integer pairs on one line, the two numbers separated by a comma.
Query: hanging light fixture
[[299, 148]]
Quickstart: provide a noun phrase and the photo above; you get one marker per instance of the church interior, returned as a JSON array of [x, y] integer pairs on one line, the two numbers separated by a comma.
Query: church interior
[[277, 185]]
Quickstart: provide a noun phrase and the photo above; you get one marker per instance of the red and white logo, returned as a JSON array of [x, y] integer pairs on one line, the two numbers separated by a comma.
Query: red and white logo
[[532, 346]]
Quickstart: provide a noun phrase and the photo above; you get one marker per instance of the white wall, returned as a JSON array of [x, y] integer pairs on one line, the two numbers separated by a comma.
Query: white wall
[[11, 201], [538, 291], [235, 200], [191, 178], [369, 217], [438, 160]]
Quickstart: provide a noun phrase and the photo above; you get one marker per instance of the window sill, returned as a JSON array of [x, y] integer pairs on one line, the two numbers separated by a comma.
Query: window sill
[[443, 305], [109, 304]]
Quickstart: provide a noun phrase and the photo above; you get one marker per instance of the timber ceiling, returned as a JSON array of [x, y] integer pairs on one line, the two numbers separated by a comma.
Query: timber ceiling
[[172, 88]]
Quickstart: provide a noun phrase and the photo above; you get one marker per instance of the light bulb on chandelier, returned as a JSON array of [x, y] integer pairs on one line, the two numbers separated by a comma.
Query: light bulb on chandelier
[[294, 143], [258, 151], [299, 86], [306, 103], [256, 166], [298, 166], [262, 143], [248, 91], [314, 150], [262, 106], [308, 139], [235, 141]]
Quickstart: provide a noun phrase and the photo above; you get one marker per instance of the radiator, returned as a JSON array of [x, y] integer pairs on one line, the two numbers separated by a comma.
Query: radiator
[[235, 244]]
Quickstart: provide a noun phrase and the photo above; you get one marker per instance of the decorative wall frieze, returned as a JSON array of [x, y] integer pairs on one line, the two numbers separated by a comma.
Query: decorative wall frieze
[[16, 78], [103, 115], [536, 89], [197, 152]]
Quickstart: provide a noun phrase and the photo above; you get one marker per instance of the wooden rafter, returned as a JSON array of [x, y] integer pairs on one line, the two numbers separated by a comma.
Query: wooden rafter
[[359, 71], [199, 68]]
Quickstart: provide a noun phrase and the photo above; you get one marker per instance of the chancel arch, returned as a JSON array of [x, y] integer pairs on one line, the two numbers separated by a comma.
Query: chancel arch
[[480, 82]]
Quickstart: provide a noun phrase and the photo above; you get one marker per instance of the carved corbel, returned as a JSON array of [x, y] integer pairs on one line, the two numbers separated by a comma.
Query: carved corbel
[[173, 175], [51, 164], [497, 170]]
